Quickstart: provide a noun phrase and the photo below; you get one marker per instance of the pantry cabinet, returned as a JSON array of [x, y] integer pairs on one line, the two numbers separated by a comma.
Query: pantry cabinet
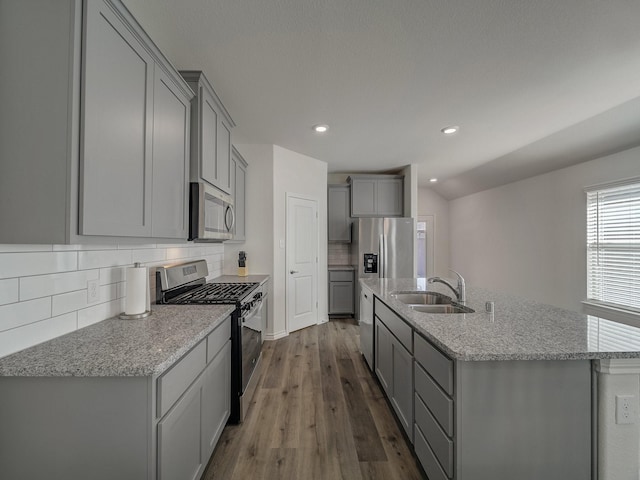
[[210, 134], [107, 136]]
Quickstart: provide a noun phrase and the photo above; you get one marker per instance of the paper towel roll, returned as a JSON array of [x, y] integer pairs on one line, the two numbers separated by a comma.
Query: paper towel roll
[[137, 285]]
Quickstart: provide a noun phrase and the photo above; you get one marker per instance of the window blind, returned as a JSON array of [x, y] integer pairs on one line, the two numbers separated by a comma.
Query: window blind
[[613, 245]]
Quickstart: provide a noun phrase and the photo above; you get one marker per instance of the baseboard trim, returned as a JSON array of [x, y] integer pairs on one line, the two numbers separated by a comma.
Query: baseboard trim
[[275, 336]]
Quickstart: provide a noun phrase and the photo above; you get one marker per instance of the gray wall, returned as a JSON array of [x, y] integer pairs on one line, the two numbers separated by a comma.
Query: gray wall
[[528, 237]]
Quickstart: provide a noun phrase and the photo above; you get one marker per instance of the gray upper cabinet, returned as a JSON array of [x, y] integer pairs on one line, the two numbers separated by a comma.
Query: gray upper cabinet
[[103, 176], [116, 161], [238, 170], [377, 195], [171, 117], [210, 134], [339, 213]]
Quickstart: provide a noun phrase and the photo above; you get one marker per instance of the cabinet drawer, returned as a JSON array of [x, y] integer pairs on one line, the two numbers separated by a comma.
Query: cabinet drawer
[[217, 338], [395, 324], [439, 404], [340, 276], [439, 366], [440, 444], [427, 458], [173, 383]]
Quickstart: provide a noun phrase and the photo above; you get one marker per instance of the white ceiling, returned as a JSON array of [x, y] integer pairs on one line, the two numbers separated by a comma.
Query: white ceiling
[[526, 80]]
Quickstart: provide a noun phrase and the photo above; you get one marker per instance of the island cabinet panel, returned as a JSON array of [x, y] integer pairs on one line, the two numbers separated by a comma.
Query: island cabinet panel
[[523, 419], [394, 363]]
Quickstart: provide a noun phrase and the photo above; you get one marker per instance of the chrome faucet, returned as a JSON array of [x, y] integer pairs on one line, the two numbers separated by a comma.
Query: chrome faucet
[[461, 294]]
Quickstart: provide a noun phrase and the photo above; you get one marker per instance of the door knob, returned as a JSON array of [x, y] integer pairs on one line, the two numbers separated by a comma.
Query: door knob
[[293, 271]]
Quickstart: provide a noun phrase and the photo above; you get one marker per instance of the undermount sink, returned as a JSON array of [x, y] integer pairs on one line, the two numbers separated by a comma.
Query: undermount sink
[[442, 308], [422, 298]]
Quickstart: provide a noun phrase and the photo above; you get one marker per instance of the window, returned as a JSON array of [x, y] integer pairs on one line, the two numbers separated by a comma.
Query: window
[[613, 248]]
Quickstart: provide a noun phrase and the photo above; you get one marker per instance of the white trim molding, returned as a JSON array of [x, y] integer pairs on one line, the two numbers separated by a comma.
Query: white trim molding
[[275, 336], [619, 366]]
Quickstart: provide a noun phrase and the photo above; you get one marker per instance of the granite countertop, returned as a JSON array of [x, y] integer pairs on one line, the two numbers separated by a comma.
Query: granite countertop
[[518, 329], [118, 348], [341, 267], [261, 279]]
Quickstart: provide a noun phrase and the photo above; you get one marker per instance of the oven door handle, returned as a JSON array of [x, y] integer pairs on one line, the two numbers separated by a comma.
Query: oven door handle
[[252, 313]]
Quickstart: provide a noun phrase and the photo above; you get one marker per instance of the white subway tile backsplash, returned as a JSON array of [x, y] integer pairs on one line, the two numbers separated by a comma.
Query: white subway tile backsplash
[[36, 263], [9, 248], [97, 313], [136, 247], [84, 247], [8, 291], [17, 339], [22, 313], [103, 258], [149, 255], [43, 288], [55, 284], [112, 275], [69, 302]]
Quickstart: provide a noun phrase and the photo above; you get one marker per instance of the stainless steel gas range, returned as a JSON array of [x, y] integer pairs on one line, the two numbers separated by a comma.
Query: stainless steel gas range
[[186, 284]]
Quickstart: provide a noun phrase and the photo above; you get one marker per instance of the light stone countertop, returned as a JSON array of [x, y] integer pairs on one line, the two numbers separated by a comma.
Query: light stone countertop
[[519, 329], [341, 267], [120, 348], [261, 279]]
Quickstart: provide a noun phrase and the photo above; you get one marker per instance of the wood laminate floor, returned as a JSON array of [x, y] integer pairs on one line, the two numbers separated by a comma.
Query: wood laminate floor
[[317, 413]]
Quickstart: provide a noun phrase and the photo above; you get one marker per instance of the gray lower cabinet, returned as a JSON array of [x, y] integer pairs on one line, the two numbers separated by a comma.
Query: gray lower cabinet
[[365, 322], [341, 292], [394, 363], [483, 420], [111, 127], [239, 193], [339, 213], [139, 427], [377, 195], [211, 127], [492, 419]]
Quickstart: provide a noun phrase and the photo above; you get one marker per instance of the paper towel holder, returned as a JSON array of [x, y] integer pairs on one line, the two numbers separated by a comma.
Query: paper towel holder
[[137, 316]]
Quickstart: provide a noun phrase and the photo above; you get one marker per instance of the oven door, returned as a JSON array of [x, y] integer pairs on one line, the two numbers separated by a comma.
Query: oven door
[[251, 326], [211, 215]]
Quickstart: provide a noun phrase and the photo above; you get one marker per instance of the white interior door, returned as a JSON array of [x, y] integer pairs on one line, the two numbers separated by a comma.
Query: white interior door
[[302, 262]]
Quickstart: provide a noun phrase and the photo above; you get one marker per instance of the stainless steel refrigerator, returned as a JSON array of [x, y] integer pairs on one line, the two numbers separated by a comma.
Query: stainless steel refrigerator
[[380, 248]]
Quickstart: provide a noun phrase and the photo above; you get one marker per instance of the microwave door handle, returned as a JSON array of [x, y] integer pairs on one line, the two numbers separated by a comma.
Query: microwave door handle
[[233, 218]]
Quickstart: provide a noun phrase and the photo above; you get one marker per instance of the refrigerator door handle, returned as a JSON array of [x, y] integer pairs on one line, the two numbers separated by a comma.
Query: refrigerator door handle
[[382, 256]]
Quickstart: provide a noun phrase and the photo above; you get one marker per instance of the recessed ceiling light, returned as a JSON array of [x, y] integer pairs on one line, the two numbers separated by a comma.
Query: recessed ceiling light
[[450, 130], [320, 128], [433, 180]]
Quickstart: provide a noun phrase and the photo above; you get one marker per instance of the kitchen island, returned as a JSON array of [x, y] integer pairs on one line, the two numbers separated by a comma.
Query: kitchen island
[[523, 392], [138, 399]]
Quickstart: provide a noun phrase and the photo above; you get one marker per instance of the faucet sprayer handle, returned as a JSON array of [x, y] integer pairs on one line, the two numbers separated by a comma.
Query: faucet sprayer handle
[[460, 277]]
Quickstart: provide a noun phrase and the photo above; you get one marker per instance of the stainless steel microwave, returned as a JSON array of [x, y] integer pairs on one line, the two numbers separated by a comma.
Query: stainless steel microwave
[[211, 215]]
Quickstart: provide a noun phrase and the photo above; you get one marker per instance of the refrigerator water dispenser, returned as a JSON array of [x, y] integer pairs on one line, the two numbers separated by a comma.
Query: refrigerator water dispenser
[[370, 263]]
